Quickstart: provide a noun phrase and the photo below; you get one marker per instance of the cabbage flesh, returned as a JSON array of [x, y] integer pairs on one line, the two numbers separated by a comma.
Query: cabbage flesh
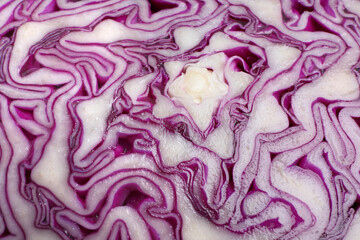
[[183, 119]]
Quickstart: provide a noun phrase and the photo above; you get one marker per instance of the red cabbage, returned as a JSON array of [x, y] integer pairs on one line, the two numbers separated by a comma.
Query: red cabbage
[[182, 119]]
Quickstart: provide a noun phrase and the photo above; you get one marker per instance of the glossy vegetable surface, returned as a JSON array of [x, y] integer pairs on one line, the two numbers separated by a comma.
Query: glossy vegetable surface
[[182, 119]]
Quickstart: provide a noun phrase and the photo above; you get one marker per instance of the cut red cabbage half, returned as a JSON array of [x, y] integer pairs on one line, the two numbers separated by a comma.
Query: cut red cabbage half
[[181, 119]]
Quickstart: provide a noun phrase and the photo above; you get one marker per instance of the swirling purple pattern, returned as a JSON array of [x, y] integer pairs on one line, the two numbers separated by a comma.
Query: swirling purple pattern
[[183, 119]]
